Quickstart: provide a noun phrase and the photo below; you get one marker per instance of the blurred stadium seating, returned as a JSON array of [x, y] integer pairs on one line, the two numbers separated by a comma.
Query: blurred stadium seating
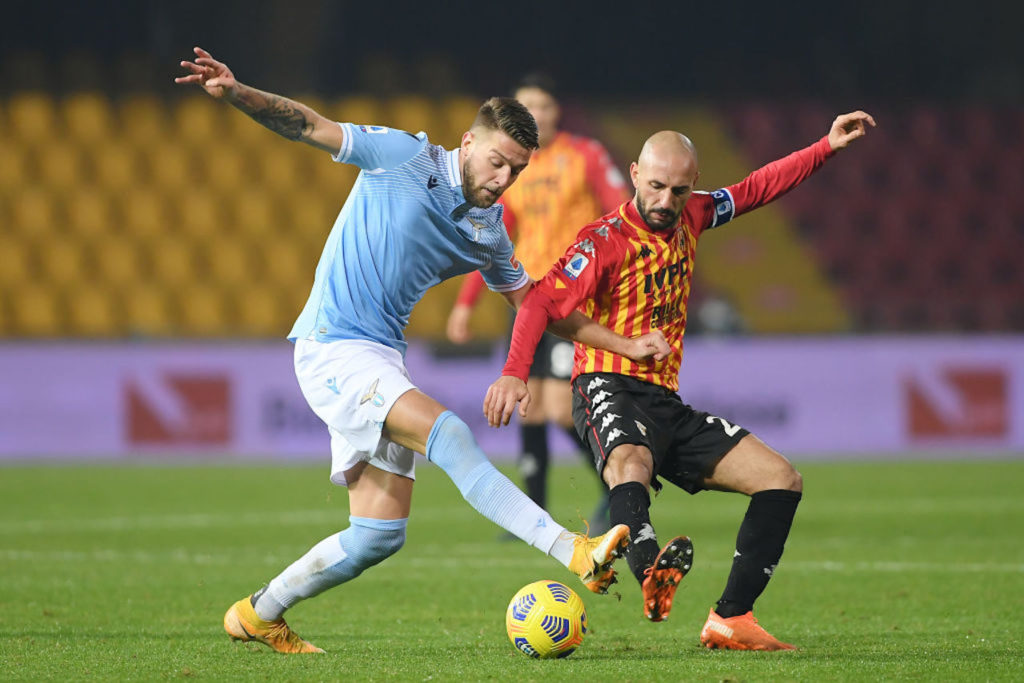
[[922, 228], [147, 215]]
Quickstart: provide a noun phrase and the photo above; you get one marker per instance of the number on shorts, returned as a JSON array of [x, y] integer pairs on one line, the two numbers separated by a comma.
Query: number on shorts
[[730, 429]]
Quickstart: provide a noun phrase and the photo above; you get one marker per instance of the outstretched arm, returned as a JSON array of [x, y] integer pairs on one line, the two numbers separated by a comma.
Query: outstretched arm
[[288, 118]]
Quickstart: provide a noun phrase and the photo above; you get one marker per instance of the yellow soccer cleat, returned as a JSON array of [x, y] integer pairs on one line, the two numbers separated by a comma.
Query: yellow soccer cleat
[[738, 633], [592, 558], [242, 623]]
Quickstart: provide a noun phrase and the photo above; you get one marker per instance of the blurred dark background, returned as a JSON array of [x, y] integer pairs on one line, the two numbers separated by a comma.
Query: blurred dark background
[[845, 52]]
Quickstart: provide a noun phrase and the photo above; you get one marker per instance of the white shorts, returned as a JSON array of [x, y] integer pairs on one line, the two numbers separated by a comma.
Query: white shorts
[[352, 385]]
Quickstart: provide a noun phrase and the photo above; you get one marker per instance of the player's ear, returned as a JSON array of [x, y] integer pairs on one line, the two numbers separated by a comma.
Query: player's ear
[[634, 174], [467, 140]]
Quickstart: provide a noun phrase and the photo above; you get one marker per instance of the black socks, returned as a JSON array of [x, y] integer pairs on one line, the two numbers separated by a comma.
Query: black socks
[[630, 504], [533, 461], [759, 545]]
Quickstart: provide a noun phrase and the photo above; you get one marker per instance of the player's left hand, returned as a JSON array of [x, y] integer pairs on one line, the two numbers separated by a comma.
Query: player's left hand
[[652, 345], [501, 400], [848, 127]]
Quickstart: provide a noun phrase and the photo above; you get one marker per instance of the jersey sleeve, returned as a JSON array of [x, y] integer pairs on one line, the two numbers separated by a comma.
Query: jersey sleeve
[[506, 273], [765, 185], [604, 179], [571, 281], [377, 148]]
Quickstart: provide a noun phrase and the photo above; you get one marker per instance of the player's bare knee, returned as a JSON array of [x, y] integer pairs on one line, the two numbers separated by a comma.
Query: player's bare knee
[[785, 478], [628, 463]]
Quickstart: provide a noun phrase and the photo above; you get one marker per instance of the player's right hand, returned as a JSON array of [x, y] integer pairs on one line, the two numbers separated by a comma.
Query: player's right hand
[[502, 397], [214, 77], [458, 324], [651, 345]]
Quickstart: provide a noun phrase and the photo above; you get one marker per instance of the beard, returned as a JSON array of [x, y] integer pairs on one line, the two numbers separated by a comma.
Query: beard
[[476, 195], [657, 219]]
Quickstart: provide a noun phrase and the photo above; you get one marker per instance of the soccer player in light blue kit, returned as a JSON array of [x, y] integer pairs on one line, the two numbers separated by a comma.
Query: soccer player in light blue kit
[[417, 215]]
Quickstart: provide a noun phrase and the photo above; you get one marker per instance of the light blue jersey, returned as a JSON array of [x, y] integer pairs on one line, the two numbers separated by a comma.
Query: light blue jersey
[[404, 228]]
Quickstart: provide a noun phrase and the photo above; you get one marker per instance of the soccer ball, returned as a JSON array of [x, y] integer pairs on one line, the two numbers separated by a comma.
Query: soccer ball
[[546, 620]]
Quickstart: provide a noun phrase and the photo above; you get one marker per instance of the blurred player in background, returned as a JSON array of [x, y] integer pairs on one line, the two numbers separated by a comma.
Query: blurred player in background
[[418, 214], [631, 270], [570, 181]]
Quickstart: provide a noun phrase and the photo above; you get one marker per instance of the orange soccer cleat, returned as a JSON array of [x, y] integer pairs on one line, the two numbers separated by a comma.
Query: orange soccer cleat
[[662, 578], [242, 623], [738, 633]]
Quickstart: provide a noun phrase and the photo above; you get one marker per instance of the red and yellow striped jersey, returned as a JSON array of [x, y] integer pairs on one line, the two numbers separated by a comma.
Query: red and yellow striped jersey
[[633, 280]]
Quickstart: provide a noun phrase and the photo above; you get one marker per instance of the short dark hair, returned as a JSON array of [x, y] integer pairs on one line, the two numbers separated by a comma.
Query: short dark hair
[[539, 80], [510, 117]]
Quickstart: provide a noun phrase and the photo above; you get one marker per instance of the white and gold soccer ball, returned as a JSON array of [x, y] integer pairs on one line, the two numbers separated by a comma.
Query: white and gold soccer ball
[[546, 620]]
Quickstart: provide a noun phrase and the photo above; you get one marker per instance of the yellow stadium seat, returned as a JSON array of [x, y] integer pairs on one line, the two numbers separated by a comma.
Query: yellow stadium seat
[[361, 110], [457, 115], [92, 311], [199, 213], [334, 180], [413, 113], [229, 261], [61, 261], [260, 313], [284, 166], [15, 263], [116, 166], [142, 120], [144, 213], [60, 166], [147, 310], [14, 168], [118, 261], [35, 312], [88, 212], [169, 166], [88, 118], [228, 169], [199, 121], [32, 212], [310, 215], [173, 261], [253, 213], [32, 117], [287, 264], [241, 129], [202, 311]]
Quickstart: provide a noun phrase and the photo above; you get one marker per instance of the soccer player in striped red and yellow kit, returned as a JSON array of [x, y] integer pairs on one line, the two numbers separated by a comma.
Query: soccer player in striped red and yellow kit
[[631, 271], [570, 181]]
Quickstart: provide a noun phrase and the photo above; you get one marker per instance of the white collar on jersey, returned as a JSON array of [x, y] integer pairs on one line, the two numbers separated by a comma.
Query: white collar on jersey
[[454, 172]]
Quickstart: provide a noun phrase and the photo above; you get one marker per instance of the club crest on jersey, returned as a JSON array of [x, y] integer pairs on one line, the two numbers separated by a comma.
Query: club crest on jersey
[[576, 265]]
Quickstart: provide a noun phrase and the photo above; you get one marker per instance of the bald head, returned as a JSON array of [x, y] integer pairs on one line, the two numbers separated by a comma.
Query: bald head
[[664, 177], [668, 146]]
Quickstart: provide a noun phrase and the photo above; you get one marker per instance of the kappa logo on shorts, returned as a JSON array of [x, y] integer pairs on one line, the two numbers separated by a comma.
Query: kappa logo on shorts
[[615, 433], [373, 395], [601, 408], [600, 396], [608, 419], [595, 383]]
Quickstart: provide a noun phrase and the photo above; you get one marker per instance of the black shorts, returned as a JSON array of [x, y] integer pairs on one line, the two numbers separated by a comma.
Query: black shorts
[[553, 358], [610, 409]]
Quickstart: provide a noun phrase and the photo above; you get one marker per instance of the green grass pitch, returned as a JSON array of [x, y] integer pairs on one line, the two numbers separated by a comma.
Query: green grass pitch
[[893, 571]]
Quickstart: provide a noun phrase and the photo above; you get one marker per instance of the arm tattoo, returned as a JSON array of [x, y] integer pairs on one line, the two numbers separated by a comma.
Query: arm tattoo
[[281, 115]]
